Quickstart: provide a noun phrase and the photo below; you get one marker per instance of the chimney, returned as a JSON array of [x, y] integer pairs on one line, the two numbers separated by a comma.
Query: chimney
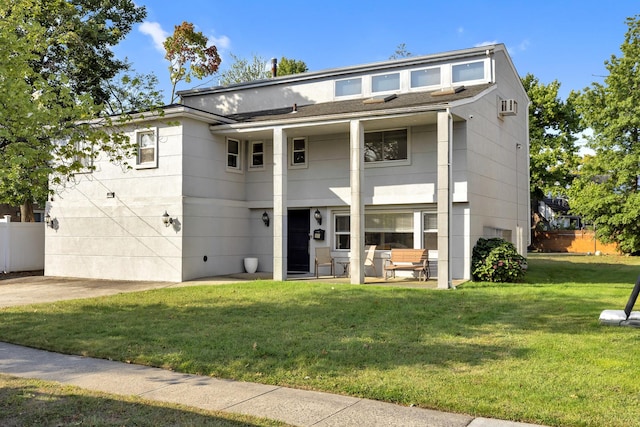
[[274, 67]]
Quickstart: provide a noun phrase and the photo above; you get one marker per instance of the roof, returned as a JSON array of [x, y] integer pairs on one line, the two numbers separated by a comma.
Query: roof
[[360, 105]]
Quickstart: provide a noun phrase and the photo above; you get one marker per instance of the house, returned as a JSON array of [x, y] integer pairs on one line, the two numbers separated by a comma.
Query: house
[[421, 152]]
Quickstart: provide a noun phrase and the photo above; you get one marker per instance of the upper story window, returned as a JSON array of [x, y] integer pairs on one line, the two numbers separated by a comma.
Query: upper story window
[[386, 146], [385, 82], [349, 87], [147, 142], [298, 153], [233, 155], [428, 77], [469, 71], [257, 155]]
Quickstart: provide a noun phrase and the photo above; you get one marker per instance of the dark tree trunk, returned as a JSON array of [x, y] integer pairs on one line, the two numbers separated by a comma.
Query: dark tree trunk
[[26, 212]]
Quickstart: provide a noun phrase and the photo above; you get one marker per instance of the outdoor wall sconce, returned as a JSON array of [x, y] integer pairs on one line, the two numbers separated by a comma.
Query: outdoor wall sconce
[[166, 219], [49, 221], [265, 218], [318, 216]]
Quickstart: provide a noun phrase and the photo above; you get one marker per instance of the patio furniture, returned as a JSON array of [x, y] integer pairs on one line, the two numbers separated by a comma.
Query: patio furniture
[[369, 259], [324, 259], [409, 260]]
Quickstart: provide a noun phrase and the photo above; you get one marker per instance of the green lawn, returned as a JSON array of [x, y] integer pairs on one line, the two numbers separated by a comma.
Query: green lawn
[[527, 352]]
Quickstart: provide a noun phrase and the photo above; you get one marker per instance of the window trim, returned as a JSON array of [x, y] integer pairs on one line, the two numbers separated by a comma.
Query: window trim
[[238, 167], [253, 166], [293, 165], [139, 133], [388, 163]]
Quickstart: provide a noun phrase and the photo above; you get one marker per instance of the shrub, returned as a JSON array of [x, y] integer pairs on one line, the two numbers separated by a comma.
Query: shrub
[[496, 260]]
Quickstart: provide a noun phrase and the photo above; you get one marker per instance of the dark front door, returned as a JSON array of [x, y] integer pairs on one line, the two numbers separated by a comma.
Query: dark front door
[[298, 241]]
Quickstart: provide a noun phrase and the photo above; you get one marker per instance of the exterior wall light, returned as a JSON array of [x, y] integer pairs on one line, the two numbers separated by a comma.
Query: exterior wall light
[[49, 221], [265, 218], [318, 216], [166, 219]]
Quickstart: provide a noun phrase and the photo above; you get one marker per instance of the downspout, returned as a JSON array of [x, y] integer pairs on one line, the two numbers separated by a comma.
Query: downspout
[[450, 197]]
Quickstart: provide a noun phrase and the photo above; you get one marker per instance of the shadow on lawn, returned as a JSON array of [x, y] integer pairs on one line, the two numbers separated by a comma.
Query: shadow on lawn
[[561, 268], [319, 331]]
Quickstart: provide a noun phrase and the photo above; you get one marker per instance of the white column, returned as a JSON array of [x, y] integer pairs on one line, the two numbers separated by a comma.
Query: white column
[[444, 200], [356, 150], [279, 219]]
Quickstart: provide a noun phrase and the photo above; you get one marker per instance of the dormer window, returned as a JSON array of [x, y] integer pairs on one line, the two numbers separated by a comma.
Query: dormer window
[[466, 72], [385, 82], [427, 77]]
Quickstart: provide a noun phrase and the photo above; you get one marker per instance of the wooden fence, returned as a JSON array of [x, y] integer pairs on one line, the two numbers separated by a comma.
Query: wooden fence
[[573, 241]]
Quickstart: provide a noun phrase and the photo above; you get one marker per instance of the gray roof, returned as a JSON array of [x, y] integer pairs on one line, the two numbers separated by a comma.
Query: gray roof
[[400, 101]]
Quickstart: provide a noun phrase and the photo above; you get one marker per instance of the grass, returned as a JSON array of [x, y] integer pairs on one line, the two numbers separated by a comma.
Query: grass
[[26, 402], [531, 352]]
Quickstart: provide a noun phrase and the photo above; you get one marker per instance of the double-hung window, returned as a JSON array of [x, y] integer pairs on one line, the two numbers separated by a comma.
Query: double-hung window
[[257, 155], [386, 146], [430, 230], [234, 155], [298, 154], [147, 143], [387, 230]]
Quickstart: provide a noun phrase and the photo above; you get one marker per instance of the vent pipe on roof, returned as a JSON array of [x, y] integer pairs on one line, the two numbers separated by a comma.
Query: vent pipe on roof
[[274, 67]]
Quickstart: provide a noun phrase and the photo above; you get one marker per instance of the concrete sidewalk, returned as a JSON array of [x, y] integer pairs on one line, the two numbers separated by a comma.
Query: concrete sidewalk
[[296, 407]]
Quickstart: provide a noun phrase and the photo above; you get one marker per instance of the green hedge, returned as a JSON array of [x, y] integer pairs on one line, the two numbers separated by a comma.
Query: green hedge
[[496, 260]]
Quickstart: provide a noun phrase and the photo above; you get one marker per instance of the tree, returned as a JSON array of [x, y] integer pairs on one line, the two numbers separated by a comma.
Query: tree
[[244, 70], [131, 92], [189, 56], [53, 59], [607, 190], [288, 66], [401, 52], [553, 125]]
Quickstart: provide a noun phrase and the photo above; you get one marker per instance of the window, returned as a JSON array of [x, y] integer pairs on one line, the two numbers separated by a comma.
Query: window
[[387, 230], [298, 152], [385, 82], [430, 231], [428, 77], [257, 155], [348, 87], [83, 156], [470, 71], [385, 146], [343, 231], [233, 154], [147, 141]]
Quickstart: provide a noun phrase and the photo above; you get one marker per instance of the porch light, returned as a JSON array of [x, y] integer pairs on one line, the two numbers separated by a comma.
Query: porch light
[[318, 216], [166, 219], [48, 220], [265, 218]]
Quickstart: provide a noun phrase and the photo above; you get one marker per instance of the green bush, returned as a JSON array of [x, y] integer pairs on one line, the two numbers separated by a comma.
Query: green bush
[[496, 260]]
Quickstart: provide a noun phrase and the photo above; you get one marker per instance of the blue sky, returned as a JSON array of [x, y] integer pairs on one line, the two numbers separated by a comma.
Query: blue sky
[[564, 40]]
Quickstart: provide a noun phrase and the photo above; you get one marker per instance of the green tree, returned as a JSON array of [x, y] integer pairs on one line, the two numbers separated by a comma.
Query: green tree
[[401, 52], [553, 125], [189, 56], [606, 191], [132, 92], [52, 61], [245, 70], [288, 66]]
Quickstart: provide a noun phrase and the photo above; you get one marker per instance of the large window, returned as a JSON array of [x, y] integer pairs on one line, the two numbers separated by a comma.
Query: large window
[[349, 87], [470, 71], [147, 141], [428, 77], [385, 146], [387, 230], [233, 154], [385, 82]]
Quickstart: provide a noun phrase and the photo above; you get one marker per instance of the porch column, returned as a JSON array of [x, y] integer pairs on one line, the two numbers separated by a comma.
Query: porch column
[[444, 199], [279, 204], [356, 149]]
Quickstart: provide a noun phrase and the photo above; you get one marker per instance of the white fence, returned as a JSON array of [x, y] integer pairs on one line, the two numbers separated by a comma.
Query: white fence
[[21, 245]]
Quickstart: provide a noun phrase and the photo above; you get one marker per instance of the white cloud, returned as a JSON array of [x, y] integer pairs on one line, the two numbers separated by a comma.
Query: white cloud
[[155, 31], [222, 42], [487, 43], [460, 30]]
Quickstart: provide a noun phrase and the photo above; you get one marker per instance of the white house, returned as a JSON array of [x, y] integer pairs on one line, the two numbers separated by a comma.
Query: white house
[[421, 152]]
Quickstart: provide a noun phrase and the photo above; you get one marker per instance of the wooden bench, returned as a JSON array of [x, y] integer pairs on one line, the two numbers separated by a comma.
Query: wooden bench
[[408, 260]]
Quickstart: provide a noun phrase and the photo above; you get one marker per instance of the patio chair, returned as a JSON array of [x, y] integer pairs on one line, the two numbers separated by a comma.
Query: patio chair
[[369, 259], [324, 259]]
